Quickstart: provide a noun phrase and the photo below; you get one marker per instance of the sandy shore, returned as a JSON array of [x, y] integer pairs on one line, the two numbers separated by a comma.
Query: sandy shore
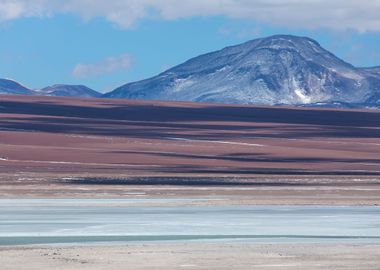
[[194, 256]]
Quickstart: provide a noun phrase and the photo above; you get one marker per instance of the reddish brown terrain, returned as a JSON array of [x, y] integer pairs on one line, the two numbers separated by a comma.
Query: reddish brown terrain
[[51, 146]]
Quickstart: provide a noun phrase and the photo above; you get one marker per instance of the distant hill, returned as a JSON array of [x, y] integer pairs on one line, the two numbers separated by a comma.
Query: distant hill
[[10, 87], [64, 90], [281, 69]]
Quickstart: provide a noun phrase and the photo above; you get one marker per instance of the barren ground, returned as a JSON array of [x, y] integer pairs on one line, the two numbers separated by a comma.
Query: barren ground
[[194, 256], [69, 147]]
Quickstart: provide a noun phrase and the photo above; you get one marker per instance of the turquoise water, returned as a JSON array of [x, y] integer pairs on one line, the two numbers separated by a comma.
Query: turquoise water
[[43, 221]]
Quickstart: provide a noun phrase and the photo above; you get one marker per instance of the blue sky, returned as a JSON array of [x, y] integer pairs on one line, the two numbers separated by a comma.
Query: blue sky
[[45, 44]]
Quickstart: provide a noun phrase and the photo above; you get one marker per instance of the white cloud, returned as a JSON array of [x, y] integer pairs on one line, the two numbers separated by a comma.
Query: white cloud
[[108, 65], [332, 14], [10, 10]]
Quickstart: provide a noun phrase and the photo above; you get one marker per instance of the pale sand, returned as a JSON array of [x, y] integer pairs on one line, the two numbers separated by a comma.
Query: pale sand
[[193, 256]]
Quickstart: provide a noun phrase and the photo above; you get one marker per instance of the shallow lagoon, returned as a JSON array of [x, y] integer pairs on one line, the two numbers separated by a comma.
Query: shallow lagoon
[[39, 221]]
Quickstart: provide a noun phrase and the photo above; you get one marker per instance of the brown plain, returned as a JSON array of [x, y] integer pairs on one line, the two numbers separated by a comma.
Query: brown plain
[[69, 147]]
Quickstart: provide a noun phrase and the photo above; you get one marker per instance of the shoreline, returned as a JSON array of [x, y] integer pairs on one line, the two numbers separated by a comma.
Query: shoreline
[[86, 241]]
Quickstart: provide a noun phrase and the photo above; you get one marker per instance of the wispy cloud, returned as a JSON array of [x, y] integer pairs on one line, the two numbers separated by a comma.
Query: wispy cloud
[[337, 14], [108, 65]]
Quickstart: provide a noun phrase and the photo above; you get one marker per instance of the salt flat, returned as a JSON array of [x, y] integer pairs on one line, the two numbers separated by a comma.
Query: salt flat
[[40, 221]]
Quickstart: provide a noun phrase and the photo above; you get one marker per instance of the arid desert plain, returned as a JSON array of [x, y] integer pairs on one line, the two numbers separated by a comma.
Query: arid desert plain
[[118, 184]]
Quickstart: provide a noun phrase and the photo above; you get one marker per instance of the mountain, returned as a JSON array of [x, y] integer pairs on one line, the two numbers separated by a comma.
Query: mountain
[[280, 69], [65, 90], [10, 87]]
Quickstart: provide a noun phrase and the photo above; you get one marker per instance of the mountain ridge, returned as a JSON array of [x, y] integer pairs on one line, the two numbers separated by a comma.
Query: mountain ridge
[[10, 86]]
